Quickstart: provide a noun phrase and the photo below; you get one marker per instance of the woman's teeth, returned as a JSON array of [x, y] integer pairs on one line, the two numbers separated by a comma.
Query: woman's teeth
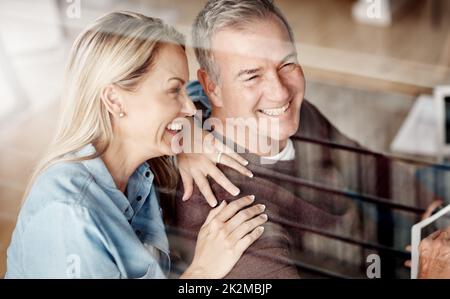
[[175, 126], [276, 111]]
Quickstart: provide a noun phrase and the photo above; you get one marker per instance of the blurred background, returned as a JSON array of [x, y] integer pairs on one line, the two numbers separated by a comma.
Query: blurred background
[[370, 65]]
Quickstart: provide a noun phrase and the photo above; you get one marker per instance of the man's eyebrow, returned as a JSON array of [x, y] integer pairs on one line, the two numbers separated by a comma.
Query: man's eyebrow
[[248, 72], [178, 79], [289, 56], [254, 71]]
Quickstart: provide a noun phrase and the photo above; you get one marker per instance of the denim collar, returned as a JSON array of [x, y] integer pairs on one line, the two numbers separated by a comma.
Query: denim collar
[[101, 175]]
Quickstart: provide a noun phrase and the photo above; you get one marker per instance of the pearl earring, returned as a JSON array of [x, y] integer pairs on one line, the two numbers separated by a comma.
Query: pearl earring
[[121, 114]]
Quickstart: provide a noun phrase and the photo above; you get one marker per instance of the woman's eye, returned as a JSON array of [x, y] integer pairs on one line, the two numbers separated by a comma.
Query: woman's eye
[[176, 90]]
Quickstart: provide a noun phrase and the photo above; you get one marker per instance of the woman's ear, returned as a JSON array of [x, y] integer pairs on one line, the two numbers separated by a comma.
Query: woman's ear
[[113, 101], [210, 87]]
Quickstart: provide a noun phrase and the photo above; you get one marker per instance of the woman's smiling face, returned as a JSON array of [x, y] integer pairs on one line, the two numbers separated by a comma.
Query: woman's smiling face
[[160, 98]]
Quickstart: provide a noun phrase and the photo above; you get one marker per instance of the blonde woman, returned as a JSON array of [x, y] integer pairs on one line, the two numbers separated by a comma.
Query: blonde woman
[[92, 209]]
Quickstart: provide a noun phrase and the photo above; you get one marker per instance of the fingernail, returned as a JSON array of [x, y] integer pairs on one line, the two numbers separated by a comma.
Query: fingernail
[[246, 163], [214, 204], [250, 174], [264, 216], [252, 197], [260, 229], [263, 207], [236, 192], [184, 198]]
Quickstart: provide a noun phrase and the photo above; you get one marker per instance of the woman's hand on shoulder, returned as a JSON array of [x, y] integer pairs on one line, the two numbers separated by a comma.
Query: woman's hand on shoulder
[[227, 232], [196, 167]]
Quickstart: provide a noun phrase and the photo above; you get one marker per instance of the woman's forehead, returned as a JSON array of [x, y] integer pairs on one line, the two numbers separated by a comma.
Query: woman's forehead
[[171, 62]]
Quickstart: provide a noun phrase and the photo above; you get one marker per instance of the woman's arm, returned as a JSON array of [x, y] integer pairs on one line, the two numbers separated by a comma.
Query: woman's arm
[[63, 241]]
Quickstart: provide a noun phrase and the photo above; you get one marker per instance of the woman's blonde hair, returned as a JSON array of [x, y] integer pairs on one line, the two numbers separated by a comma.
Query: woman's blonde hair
[[119, 48]]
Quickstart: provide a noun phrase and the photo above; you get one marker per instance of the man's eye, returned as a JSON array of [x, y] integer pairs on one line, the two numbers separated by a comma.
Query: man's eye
[[252, 78], [289, 66]]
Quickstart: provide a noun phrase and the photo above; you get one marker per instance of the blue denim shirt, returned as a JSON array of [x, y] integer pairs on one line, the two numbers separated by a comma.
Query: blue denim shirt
[[197, 94], [75, 223]]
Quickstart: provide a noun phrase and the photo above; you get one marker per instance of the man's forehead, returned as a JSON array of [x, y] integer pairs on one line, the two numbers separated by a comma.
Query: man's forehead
[[235, 44], [260, 38]]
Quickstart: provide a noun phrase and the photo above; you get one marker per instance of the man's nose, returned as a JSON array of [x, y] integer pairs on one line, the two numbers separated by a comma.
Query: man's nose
[[276, 89]]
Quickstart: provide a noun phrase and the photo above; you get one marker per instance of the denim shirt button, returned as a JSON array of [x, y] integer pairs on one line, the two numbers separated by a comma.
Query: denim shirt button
[[128, 213], [139, 198], [147, 174]]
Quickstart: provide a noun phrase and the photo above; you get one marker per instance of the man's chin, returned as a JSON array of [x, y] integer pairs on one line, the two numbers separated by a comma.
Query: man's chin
[[281, 138], [284, 134]]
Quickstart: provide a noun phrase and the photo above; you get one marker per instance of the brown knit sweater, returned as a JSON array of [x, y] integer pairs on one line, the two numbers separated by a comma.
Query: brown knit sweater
[[301, 218]]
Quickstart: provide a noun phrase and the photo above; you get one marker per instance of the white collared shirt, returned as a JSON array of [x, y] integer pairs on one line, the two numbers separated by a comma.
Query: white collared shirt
[[287, 154]]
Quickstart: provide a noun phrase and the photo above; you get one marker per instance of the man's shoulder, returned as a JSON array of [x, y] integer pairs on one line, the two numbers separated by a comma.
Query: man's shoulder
[[312, 122], [315, 125]]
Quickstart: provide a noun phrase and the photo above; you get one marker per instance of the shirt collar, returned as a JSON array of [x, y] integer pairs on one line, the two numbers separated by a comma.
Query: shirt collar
[[287, 154], [101, 175]]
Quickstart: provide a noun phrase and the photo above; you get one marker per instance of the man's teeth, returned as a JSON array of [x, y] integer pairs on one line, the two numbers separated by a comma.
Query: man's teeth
[[175, 126], [276, 111]]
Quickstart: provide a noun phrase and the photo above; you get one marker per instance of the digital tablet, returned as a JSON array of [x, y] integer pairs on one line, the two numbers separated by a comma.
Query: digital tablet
[[442, 103], [423, 229]]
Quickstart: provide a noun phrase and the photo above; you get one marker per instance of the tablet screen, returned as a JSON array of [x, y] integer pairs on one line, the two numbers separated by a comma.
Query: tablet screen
[[447, 119]]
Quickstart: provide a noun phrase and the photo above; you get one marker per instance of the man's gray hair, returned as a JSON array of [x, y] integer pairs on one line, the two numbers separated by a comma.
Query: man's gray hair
[[219, 14]]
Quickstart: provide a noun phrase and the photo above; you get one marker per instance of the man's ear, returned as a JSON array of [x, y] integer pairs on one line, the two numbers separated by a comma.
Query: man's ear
[[112, 100], [211, 89]]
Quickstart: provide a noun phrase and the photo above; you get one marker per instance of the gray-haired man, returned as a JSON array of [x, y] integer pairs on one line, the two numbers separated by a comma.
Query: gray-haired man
[[249, 70]]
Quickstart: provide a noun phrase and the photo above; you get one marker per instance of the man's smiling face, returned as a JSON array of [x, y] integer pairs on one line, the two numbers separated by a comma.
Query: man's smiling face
[[260, 77]]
